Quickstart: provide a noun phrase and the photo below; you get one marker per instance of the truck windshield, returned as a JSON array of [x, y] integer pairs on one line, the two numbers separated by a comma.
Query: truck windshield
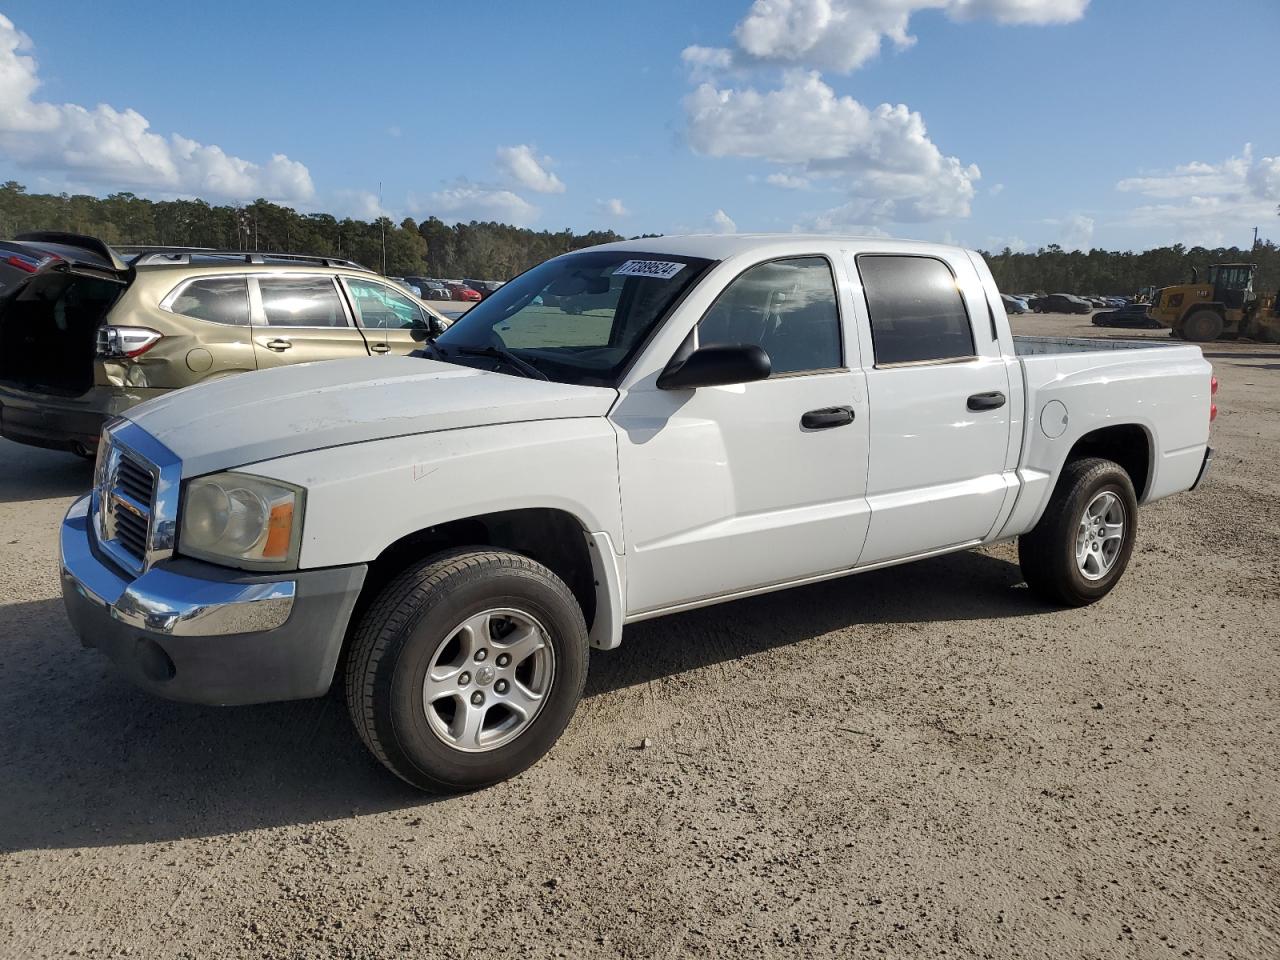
[[577, 319]]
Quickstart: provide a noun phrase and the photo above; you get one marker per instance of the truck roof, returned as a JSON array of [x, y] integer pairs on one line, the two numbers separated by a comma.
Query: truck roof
[[715, 246]]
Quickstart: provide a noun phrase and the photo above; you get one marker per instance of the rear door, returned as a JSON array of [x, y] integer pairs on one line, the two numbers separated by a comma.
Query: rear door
[[938, 390], [301, 317], [392, 322]]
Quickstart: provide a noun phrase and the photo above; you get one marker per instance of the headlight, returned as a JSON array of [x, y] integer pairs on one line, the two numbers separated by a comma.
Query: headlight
[[242, 521]]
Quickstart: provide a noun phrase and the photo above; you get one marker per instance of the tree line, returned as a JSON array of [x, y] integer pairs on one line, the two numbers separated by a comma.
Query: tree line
[[486, 251], [499, 251], [1120, 272]]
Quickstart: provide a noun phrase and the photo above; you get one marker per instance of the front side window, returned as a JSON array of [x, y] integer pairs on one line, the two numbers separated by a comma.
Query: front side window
[[579, 318], [917, 312], [301, 302], [786, 307], [378, 307], [216, 299]]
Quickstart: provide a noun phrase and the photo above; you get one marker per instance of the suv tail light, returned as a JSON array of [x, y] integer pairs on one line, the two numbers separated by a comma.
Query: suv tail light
[[1213, 393], [118, 343]]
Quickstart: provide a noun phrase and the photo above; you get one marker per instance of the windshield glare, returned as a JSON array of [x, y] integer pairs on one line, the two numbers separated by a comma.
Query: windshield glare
[[579, 318]]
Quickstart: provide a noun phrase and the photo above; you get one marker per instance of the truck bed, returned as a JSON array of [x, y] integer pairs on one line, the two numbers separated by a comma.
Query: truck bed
[[1040, 346]]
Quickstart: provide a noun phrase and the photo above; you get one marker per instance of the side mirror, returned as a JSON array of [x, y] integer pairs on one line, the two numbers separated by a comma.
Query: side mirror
[[421, 332], [716, 366]]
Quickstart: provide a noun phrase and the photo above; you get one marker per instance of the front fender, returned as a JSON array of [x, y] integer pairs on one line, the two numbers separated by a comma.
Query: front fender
[[363, 497]]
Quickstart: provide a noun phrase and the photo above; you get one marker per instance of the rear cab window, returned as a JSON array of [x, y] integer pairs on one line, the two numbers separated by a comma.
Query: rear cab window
[[916, 310]]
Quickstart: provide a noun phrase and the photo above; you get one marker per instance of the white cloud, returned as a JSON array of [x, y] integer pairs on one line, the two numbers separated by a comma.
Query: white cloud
[[787, 181], [721, 222], [996, 189], [882, 157], [116, 148], [842, 35], [706, 62], [848, 220], [1206, 203], [464, 201], [1015, 244], [612, 208], [1076, 232], [521, 165], [361, 204]]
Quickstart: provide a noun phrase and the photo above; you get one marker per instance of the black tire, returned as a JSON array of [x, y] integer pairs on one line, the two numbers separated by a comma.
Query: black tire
[[409, 621], [1047, 554], [1202, 326]]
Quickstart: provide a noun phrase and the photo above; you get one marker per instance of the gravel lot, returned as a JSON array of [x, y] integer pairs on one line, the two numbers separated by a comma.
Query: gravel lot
[[920, 761]]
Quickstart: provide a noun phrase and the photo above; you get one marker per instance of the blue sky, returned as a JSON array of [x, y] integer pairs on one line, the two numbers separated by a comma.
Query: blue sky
[[1025, 122]]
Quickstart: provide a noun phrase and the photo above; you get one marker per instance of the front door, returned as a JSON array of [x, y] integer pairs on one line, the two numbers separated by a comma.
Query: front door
[[726, 489], [940, 406], [392, 323], [301, 317]]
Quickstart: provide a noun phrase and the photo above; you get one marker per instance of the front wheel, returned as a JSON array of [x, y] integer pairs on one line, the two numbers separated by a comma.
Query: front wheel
[[1202, 326], [466, 669], [1080, 548]]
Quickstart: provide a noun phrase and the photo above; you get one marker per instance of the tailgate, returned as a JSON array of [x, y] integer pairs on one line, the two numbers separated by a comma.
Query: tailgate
[[56, 289]]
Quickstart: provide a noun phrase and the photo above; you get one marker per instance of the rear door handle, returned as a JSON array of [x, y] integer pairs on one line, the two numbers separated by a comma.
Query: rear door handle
[[380, 347], [826, 418], [279, 343], [987, 401]]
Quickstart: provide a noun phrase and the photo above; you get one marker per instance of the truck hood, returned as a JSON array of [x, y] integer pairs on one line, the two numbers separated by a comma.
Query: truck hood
[[287, 410]]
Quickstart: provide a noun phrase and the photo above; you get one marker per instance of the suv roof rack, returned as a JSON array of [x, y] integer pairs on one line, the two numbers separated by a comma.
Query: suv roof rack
[[181, 256]]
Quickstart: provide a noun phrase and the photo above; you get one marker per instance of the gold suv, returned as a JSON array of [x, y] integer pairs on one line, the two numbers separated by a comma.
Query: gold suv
[[87, 331]]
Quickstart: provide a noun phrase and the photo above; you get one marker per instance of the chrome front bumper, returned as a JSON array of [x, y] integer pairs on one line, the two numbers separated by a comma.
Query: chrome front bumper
[[193, 631], [163, 602]]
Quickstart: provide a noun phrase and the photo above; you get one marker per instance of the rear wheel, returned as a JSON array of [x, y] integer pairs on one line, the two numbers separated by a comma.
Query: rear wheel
[[1202, 326], [466, 669], [1080, 548]]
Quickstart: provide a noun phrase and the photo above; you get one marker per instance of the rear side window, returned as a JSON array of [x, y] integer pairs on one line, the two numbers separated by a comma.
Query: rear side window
[[301, 302], [216, 299], [787, 307], [917, 313]]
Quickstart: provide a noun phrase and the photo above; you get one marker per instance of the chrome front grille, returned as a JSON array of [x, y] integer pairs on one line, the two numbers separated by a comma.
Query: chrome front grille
[[135, 480], [135, 498]]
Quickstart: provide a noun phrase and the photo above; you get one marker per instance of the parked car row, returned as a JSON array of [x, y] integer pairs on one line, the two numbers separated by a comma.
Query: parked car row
[[430, 289], [1059, 303]]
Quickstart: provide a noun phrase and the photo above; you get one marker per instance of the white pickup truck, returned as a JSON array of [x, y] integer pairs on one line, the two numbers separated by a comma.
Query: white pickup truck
[[622, 432]]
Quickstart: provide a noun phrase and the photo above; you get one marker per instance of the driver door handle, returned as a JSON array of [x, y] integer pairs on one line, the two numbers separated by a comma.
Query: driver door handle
[[987, 401], [380, 347], [278, 343], [826, 418]]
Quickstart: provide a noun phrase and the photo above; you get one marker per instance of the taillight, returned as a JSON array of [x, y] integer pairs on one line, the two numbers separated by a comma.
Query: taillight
[[120, 343], [23, 263], [1213, 392]]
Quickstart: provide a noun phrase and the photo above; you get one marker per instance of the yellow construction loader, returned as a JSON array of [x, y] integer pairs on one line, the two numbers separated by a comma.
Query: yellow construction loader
[[1222, 305]]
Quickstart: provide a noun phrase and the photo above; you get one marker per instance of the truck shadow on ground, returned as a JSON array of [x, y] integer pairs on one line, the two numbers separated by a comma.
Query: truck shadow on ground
[[90, 761], [32, 474]]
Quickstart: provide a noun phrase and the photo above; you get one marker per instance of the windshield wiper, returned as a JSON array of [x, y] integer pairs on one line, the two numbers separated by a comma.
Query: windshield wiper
[[506, 356]]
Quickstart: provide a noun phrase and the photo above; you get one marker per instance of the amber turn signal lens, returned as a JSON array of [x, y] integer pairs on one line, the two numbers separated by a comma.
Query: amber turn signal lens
[[279, 532]]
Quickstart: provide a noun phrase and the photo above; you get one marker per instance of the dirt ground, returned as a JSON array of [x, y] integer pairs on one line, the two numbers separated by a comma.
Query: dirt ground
[[920, 761]]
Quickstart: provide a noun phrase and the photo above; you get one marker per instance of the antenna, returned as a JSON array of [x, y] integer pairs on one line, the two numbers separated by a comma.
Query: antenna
[[382, 222]]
